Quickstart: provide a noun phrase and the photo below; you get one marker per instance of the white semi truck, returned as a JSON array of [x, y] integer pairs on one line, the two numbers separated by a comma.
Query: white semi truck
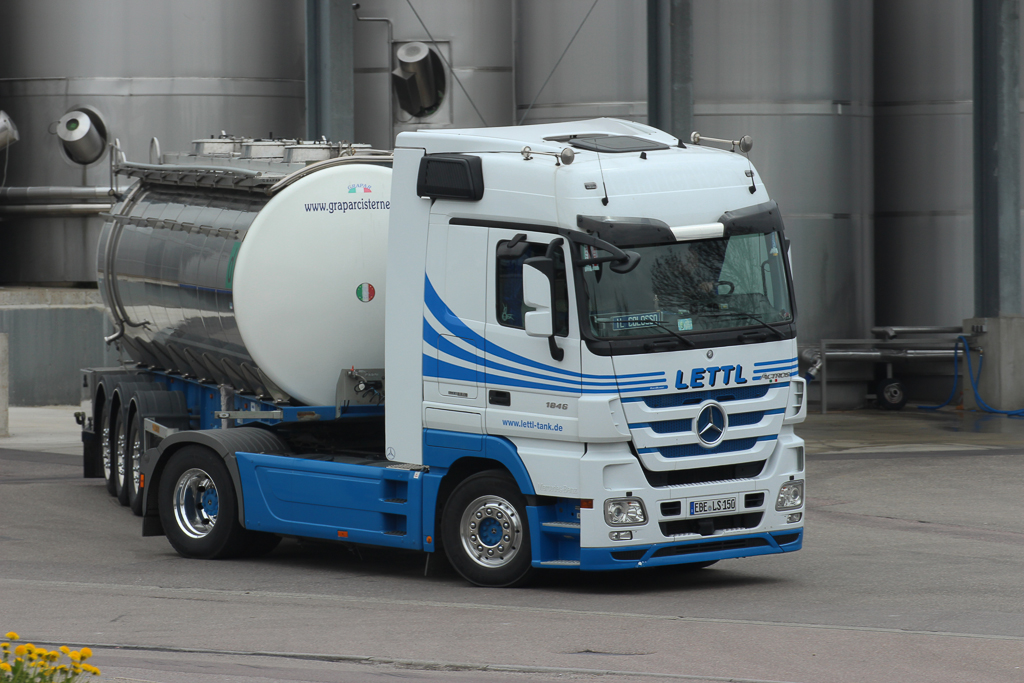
[[569, 345]]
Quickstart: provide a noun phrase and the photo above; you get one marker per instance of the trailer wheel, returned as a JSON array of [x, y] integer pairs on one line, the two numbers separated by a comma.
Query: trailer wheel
[[119, 457], [890, 395], [106, 448], [197, 506], [485, 532], [133, 464]]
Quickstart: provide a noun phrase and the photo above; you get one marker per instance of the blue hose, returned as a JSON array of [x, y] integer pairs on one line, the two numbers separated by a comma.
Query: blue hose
[[974, 382]]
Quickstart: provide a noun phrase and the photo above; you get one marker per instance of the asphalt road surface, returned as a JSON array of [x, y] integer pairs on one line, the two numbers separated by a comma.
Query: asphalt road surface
[[911, 571]]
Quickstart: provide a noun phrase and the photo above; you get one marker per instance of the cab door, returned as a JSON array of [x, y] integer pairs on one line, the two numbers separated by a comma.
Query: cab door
[[528, 392]]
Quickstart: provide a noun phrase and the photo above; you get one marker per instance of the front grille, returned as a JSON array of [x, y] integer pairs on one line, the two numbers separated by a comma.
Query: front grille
[[710, 547], [695, 397], [672, 509], [679, 527], [753, 500], [689, 450], [744, 419], [671, 426], [703, 475], [628, 554]]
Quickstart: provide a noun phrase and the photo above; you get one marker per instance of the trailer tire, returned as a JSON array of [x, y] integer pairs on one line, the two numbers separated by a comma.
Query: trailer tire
[[133, 463], [119, 455], [197, 505], [485, 532], [107, 448]]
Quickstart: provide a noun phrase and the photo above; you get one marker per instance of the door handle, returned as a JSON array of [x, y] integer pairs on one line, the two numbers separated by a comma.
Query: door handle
[[499, 398]]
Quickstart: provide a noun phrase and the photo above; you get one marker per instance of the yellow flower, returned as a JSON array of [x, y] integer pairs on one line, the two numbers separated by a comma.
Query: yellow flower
[[4, 666], [53, 656], [11, 635], [75, 656], [86, 653], [65, 650], [31, 648], [20, 650], [62, 667]]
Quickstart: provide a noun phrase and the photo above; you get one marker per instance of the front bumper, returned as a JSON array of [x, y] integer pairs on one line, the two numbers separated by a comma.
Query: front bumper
[[690, 552]]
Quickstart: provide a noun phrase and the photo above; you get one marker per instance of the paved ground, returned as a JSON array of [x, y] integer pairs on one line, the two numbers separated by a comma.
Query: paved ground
[[911, 572]]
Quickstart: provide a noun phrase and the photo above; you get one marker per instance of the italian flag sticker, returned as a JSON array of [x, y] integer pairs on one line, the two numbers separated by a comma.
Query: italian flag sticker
[[365, 292]]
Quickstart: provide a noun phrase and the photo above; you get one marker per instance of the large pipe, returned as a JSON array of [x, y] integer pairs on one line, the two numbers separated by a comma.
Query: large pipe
[[53, 209], [51, 193]]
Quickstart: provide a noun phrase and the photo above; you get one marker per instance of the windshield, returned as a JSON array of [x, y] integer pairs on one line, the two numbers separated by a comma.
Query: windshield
[[703, 285]]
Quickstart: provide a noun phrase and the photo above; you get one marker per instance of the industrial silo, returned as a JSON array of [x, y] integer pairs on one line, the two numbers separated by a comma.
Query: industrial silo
[[924, 179], [445, 65]]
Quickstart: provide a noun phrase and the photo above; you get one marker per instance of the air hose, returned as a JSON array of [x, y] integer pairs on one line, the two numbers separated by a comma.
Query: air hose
[[974, 382]]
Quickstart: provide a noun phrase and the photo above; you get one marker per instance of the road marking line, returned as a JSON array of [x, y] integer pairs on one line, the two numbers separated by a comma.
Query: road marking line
[[475, 606]]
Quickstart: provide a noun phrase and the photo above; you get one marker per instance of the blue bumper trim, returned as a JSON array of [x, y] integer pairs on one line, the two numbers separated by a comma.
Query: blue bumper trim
[[688, 552]]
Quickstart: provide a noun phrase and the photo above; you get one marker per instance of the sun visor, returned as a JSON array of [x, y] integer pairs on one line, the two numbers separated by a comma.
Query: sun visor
[[760, 218], [632, 232]]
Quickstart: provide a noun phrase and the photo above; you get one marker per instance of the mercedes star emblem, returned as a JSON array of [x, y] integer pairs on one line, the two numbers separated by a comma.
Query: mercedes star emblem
[[711, 424]]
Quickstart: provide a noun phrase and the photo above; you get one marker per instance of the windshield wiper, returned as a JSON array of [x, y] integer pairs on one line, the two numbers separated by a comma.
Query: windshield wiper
[[672, 332], [763, 323]]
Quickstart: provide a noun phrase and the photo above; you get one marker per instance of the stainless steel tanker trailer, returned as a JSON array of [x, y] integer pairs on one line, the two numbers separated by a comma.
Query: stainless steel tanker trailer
[[214, 286]]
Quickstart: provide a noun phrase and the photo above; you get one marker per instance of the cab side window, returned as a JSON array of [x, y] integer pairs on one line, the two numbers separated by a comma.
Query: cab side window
[[511, 310]]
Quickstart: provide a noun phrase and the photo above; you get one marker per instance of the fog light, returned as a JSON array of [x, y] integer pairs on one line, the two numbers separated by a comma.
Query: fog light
[[621, 535], [794, 518], [624, 511], [791, 495]]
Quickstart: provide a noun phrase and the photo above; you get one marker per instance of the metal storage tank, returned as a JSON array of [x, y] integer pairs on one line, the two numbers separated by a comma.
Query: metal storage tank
[[604, 71], [151, 68], [797, 76], [924, 179], [474, 37]]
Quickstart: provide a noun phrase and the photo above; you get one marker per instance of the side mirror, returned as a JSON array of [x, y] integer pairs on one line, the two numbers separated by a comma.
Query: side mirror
[[538, 281]]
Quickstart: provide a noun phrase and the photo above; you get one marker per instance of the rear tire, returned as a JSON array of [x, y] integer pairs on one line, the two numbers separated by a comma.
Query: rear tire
[[198, 508], [133, 464], [485, 533], [107, 448], [119, 455]]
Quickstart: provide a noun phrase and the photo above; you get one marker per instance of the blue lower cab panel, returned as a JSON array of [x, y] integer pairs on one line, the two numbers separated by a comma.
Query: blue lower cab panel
[[688, 552], [340, 501]]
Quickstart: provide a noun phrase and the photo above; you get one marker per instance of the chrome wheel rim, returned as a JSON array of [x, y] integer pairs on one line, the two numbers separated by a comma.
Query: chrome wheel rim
[[196, 503], [893, 393], [118, 451], [491, 531], [105, 451], [136, 461]]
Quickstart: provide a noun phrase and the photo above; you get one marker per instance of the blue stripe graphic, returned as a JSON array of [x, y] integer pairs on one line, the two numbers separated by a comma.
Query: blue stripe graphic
[[437, 340], [784, 361], [432, 367], [453, 324]]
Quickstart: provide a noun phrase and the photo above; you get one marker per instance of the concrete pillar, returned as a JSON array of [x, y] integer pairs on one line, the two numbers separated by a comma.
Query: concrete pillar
[[4, 385], [997, 247], [329, 77], [999, 383], [997, 240], [670, 67]]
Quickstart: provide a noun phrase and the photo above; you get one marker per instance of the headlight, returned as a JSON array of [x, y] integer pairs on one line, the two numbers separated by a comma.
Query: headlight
[[624, 511], [791, 495]]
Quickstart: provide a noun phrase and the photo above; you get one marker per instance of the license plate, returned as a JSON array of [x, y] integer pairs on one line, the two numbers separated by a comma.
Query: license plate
[[712, 506]]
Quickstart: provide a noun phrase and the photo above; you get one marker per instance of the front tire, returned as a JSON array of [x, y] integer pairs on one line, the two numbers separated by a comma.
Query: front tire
[[485, 532], [197, 504], [891, 395]]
